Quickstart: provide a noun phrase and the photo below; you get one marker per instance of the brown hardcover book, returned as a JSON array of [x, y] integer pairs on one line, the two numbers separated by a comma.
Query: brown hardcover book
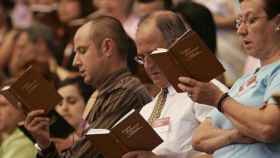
[[187, 56], [131, 133], [31, 91]]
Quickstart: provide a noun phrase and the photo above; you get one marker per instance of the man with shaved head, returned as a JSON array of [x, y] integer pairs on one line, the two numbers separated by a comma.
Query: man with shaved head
[[173, 115], [101, 47]]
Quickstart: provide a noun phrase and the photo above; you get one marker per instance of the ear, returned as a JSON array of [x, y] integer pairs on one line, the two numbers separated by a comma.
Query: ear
[[107, 47], [277, 23]]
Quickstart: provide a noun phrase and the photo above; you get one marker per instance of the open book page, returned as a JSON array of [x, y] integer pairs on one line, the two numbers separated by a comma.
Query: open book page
[[159, 50], [125, 116], [97, 131], [106, 131]]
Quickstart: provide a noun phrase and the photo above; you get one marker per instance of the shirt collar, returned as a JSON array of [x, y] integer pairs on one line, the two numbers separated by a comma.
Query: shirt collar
[[171, 90]]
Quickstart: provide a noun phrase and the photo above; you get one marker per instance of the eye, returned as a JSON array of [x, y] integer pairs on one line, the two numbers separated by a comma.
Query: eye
[[139, 59], [252, 20], [237, 23], [72, 100], [82, 50]]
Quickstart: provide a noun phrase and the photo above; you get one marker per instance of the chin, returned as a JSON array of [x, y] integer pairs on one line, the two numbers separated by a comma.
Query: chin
[[87, 80], [252, 53]]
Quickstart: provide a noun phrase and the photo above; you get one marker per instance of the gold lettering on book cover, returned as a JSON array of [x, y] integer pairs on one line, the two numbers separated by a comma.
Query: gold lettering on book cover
[[131, 130], [191, 53], [29, 87]]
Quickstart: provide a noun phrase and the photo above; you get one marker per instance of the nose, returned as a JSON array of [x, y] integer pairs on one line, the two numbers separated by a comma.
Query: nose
[[63, 107], [242, 30], [76, 61]]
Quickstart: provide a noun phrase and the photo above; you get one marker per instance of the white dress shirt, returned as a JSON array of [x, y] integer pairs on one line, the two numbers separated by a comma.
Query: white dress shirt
[[179, 118]]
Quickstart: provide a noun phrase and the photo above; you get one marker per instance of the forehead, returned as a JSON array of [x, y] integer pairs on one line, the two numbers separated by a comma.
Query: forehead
[[252, 7], [148, 38], [83, 36], [69, 88], [23, 38]]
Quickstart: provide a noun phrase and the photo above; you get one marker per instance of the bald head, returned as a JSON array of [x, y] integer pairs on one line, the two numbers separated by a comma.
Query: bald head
[[102, 27], [169, 24]]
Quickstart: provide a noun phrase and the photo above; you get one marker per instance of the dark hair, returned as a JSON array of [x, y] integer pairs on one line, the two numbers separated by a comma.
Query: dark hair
[[201, 21], [169, 24], [166, 3], [86, 7], [131, 63], [272, 7], [109, 27], [85, 90], [41, 31]]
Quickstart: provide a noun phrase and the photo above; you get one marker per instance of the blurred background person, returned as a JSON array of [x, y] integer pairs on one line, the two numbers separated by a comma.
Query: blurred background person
[[202, 22], [34, 45], [121, 10], [228, 47], [72, 14], [145, 7], [14, 143]]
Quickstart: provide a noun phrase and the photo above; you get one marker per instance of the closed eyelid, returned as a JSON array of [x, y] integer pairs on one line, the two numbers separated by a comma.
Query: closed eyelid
[[81, 49]]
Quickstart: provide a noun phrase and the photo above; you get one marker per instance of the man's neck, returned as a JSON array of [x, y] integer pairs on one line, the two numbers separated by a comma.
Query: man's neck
[[109, 73]]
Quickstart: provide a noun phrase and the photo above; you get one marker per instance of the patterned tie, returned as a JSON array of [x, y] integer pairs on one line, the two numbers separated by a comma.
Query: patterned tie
[[159, 106]]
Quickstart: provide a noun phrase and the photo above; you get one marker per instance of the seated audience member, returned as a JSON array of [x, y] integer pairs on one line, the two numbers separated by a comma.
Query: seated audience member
[[101, 48], [34, 45], [72, 14], [246, 122], [75, 95], [146, 7], [121, 10], [175, 113], [228, 47], [14, 143], [7, 36], [201, 21]]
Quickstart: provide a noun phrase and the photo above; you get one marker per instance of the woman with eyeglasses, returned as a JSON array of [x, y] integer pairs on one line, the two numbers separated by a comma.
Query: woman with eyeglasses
[[246, 121]]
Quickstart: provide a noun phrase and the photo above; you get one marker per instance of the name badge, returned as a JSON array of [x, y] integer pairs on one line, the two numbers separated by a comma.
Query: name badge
[[162, 124], [248, 84]]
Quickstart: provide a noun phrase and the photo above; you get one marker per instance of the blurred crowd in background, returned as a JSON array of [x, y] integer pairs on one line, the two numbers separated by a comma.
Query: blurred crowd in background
[[41, 32]]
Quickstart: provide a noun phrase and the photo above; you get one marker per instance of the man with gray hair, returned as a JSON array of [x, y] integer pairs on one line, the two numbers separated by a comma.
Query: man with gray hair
[[173, 115]]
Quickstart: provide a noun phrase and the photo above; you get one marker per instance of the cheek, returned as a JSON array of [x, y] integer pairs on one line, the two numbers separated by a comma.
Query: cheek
[[78, 107]]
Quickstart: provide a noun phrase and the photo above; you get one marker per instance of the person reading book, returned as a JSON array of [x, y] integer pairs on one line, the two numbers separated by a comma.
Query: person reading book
[[14, 143], [101, 48], [173, 115], [75, 95], [246, 120]]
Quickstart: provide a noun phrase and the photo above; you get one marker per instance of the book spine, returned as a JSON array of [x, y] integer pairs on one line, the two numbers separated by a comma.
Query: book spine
[[19, 103]]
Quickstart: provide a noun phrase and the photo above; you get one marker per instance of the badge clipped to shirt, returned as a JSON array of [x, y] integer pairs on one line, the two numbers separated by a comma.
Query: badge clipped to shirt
[[252, 82], [161, 124]]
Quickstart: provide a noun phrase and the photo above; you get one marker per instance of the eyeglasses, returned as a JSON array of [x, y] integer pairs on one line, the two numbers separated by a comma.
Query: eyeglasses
[[141, 59], [247, 21]]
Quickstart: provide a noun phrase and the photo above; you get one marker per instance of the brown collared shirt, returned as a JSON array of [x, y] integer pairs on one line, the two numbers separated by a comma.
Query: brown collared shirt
[[120, 93]]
